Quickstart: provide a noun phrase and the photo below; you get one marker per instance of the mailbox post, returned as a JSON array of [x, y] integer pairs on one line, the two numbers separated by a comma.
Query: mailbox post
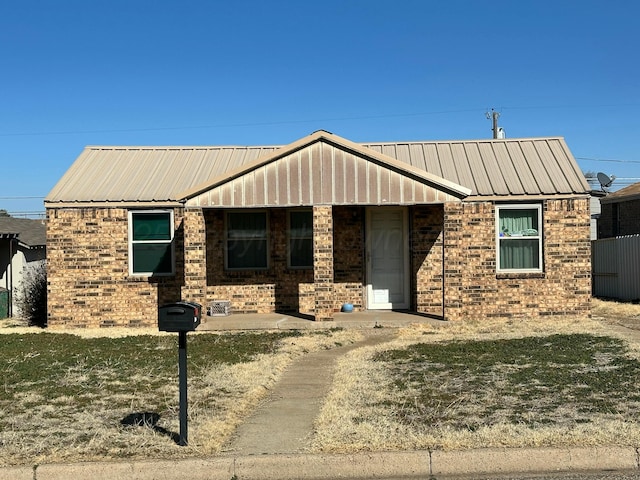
[[182, 385], [181, 317]]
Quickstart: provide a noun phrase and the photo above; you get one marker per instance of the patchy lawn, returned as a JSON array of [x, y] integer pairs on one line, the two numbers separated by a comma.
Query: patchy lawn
[[488, 384], [561, 380], [557, 382], [69, 398]]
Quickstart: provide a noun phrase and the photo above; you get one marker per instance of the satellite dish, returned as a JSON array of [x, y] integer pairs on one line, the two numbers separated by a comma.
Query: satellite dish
[[605, 180]]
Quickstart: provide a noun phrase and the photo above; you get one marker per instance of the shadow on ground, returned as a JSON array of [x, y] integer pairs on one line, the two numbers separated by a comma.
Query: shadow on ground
[[148, 420]]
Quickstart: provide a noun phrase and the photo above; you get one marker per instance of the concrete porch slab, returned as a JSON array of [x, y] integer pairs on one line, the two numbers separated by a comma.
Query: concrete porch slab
[[283, 321]]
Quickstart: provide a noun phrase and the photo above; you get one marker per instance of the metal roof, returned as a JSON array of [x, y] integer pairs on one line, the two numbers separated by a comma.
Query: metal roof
[[501, 168]]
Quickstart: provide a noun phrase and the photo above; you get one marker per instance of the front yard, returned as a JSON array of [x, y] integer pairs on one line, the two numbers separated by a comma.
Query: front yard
[[500, 384], [67, 397], [87, 396]]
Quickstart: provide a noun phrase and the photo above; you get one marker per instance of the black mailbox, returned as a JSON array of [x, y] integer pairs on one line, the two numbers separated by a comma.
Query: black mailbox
[[179, 317]]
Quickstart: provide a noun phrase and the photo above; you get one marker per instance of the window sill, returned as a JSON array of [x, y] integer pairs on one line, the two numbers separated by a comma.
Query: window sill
[[245, 272], [524, 275], [145, 278]]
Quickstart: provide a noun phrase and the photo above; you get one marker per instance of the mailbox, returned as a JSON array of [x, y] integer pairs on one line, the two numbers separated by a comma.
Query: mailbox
[[179, 317]]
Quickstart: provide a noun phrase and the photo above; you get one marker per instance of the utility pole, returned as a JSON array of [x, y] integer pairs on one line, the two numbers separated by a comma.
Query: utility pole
[[493, 116]]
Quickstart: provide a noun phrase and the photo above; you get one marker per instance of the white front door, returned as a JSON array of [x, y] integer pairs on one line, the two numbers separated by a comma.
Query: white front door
[[387, 258]]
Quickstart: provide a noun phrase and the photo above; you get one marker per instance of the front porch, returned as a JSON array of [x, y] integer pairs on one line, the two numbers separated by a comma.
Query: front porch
[[353, 257], [315, 224], [281, 321]]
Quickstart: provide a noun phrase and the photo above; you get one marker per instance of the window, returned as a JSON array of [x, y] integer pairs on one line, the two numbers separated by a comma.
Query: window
[[301, 239], [246, 240], [151, 242], [519, 238]]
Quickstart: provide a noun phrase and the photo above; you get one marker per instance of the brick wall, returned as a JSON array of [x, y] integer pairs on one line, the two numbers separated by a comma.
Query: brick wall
[[427, 263], [629, 213], [89, 284], [325, 300], [278, 288], [88, 272], [348, 256], [563, 288], [619, 218]]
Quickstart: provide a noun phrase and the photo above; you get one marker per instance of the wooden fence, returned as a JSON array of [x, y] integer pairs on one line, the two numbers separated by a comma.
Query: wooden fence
[[615, 264]]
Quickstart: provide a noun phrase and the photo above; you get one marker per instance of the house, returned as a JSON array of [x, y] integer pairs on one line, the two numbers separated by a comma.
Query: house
[[620, 212], [595, 207], [455, 230], [22, 250]]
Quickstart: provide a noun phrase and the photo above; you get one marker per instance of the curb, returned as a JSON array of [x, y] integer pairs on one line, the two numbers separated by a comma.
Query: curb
[[418, 464]]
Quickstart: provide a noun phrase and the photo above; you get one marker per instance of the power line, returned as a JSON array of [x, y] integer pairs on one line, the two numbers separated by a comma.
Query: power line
[[290, 122], [228, 125], [607, 160], [21, 198]]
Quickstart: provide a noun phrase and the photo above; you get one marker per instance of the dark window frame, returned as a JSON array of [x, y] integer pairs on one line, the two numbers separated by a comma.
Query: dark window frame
[[300, 240], [163, 238], [234, 240]]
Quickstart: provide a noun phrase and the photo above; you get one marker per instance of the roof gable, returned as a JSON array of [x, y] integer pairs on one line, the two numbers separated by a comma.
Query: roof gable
[[323, 168]]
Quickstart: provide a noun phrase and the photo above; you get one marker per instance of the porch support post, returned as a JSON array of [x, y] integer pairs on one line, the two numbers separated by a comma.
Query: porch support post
[[195, 256], [454, 260], [323, 262]]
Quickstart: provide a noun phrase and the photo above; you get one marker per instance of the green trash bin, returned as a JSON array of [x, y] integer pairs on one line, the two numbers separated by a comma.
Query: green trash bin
[[4, 303]]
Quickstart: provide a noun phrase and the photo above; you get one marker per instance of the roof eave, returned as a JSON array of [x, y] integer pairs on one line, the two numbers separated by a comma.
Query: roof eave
[[621, 198], [114, 204], [525, 197]]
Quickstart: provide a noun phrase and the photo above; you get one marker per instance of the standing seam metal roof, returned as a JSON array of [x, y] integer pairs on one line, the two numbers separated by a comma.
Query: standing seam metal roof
[[495, 168]]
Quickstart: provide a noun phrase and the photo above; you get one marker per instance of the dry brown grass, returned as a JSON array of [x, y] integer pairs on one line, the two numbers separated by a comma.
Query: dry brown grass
[[49, 430], [617, 313], [358, 414], [355, 415]]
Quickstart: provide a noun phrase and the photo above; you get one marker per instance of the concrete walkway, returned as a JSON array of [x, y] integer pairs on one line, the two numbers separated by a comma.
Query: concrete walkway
[[284, 422]]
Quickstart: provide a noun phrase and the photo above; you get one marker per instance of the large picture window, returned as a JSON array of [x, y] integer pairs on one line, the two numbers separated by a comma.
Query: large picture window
[[519, 238], [151, 242], [301, 239], [246, 240]]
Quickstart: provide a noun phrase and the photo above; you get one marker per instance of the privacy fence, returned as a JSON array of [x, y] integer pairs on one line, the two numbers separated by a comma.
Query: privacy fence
[[615, 264]]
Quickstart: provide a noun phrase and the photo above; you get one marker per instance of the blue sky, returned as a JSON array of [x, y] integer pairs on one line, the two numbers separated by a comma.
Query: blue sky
[[251, 72]]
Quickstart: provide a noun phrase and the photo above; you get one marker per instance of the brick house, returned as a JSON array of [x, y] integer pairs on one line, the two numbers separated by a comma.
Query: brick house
[[455, 230], [620, 212]]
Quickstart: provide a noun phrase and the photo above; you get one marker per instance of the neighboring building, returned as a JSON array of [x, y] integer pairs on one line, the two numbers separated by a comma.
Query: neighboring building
[[596, 196], [620, 212], [457, 230], [22, 249]]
